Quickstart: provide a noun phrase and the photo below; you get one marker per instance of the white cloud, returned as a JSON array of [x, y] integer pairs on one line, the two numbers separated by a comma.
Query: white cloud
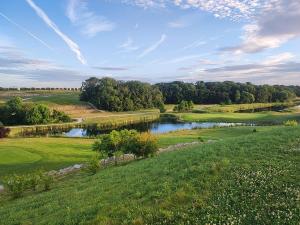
[[128, 46], [177, 24], [183, 59], [234, 9], [195, 44], [277, 24], [72, 45], [26, 31], [154, 46], [279, 59], [18, 70], [89, 23]]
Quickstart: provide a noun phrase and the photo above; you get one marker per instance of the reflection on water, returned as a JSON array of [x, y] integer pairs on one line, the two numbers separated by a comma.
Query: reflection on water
[[156, 127]]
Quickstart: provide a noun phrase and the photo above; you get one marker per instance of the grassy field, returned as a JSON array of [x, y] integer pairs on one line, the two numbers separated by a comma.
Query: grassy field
[[26, 154], [249, 179], [258, 118], [213, 108]]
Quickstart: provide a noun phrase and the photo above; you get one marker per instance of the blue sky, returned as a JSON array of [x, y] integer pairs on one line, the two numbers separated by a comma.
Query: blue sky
[[60, 43]]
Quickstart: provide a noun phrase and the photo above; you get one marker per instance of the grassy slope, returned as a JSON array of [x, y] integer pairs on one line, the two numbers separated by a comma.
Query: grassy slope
[[211, 108], [25, 154], [264, 117], [251, 179]]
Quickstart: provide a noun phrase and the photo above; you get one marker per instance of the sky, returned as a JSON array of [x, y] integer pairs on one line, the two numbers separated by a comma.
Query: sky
[[61, 43]]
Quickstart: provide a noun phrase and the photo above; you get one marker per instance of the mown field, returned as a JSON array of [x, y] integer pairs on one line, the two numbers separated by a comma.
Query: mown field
[[22, 155], [255, 118], [248, 179]]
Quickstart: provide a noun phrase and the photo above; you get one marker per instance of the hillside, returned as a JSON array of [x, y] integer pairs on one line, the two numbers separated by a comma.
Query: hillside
[[251, 179]]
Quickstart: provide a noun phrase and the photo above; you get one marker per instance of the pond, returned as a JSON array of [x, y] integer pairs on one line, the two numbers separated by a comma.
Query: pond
[[155, 127]]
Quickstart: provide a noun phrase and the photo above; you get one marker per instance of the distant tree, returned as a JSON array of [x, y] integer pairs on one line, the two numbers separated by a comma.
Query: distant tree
[[113, 95], [247, 97], [184, 106], [15, 112]]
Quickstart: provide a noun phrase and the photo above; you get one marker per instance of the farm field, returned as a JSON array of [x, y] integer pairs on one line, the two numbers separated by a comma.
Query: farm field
[[248, 179]]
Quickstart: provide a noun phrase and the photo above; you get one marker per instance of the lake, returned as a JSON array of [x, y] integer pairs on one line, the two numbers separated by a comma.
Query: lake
[[155, 127]]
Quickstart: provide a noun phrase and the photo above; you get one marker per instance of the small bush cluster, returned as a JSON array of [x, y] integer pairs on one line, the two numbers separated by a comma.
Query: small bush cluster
[[184, 106], [93, 165], [4, 132], [16, 112], [16, 185], [291, 123], [126, 141]]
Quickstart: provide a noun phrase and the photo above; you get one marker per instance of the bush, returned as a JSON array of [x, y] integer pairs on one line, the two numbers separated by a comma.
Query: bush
[[15, 185], [4, 132], [291, 123], [146, 145], [184, 106], [126, 141], [47, 180], [33, 180], [93, 165], [59, 116], [15, 112]]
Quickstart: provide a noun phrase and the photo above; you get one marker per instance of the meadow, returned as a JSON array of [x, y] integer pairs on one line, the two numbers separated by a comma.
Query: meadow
[[241, 175], [22, 155], [266, 118], [248, 179]]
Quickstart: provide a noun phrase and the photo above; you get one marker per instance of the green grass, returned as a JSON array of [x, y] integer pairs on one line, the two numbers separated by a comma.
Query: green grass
[[185, 136], [58, 99], [22, 155], [213, 108], [263, 117], [250, 179]]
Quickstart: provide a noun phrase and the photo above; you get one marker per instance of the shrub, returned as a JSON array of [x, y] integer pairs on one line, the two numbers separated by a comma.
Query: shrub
[[184, 106], [115, 141], [47, 180], [200, 139], [59, 116], [15, 185], [126, 141], [33, 180], [93, 165], [291, 123], [4, 132], [145, 145]]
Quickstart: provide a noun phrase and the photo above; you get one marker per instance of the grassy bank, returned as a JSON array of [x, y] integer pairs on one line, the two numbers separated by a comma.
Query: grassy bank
[[26, 154], [250, 179], [97, 121], [256, 118], [215, 108]]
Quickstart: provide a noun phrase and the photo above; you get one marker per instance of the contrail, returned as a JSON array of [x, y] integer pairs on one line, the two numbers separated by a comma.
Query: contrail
[[154, 46], [26, 31], [72, 45]]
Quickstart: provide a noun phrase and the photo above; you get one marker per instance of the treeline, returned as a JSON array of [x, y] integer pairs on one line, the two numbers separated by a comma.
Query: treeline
[[38, 89], [112, 95], [225, 92], [16, 112]]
